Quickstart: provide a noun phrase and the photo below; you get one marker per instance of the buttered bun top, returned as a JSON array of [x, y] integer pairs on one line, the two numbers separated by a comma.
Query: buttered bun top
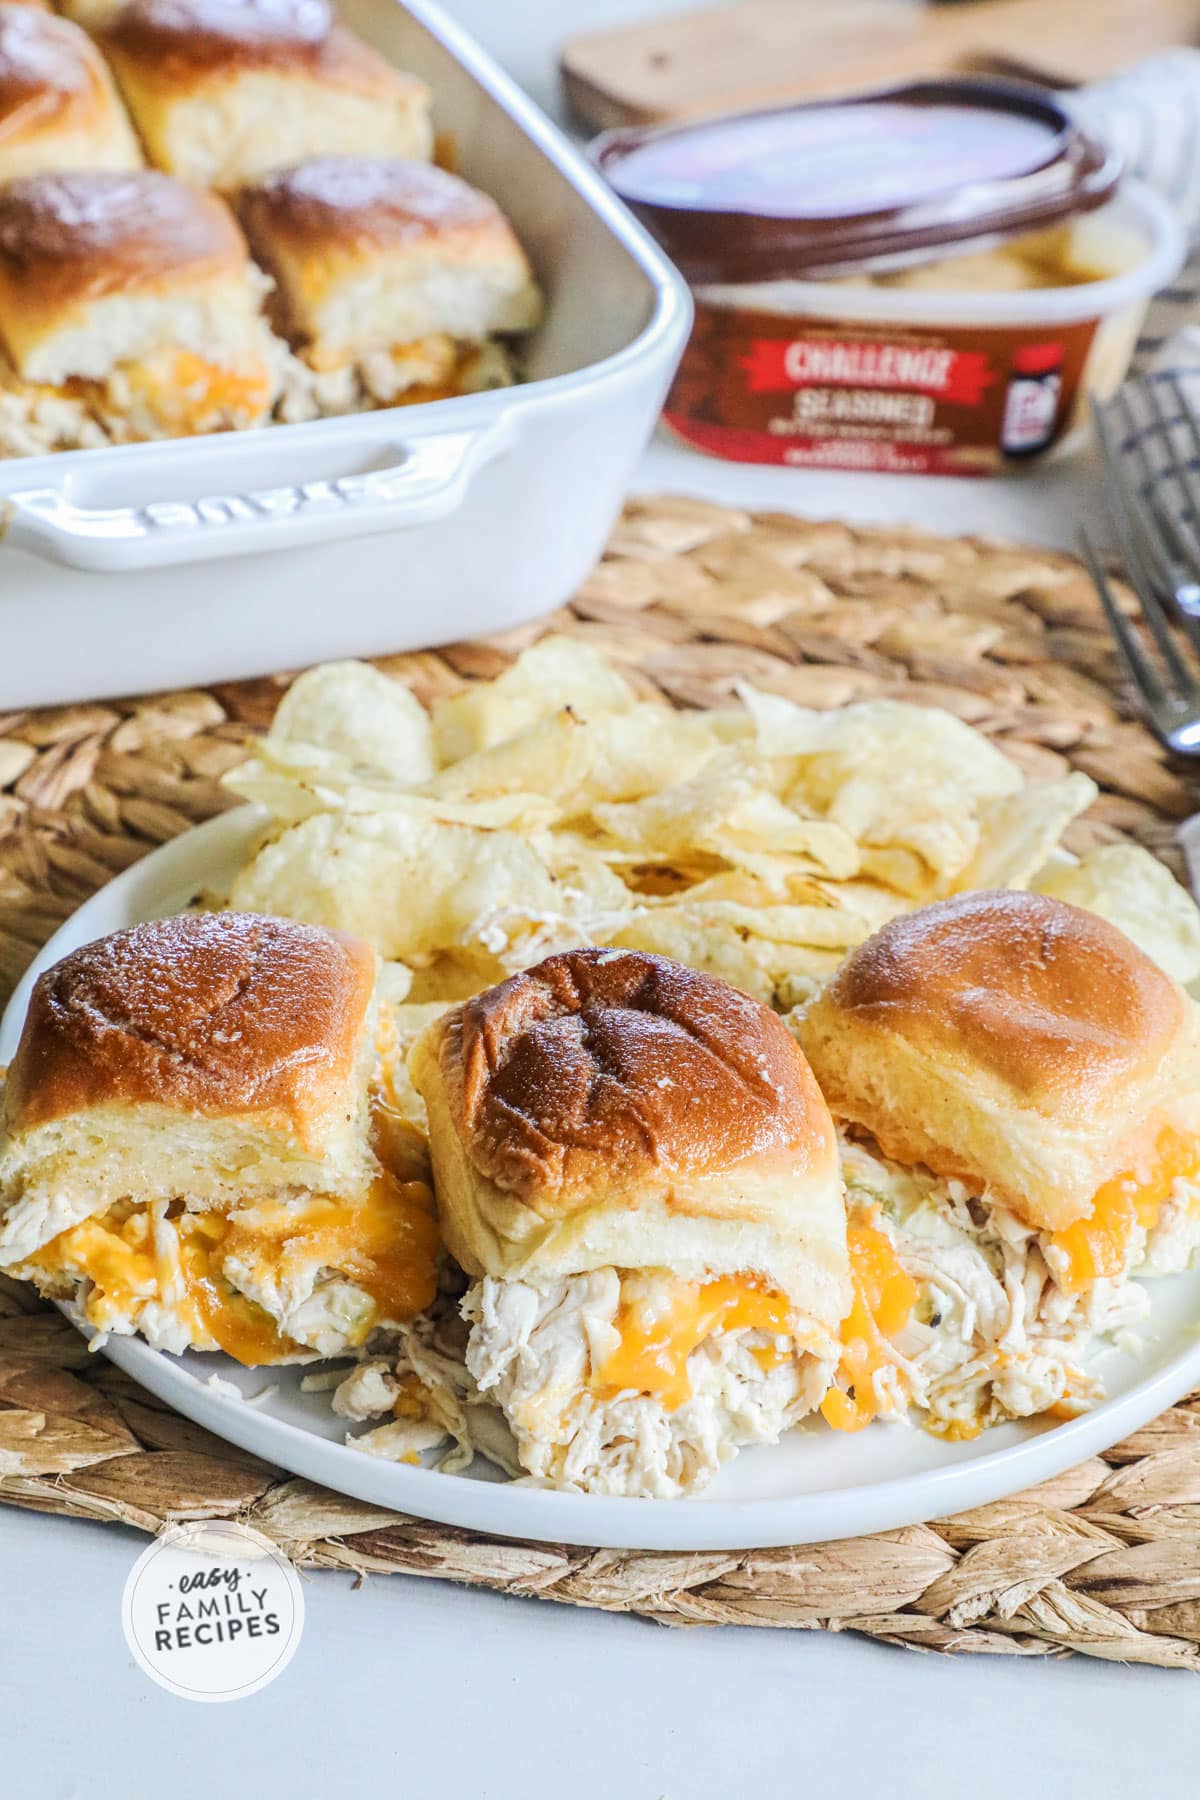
[[99, 270], [222, 1058], [1010, 1040], [372, 251], [66, 239], [224, 90], [614, 1108], [216, 1014], [359, 199], [602, 1072], [58, 106], [194, 32]]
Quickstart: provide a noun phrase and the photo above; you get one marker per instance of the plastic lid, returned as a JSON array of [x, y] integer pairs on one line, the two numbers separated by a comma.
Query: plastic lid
[[828, 186]]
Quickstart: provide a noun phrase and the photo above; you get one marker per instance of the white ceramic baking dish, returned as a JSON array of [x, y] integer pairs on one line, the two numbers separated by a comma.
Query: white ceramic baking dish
[[208, 559]]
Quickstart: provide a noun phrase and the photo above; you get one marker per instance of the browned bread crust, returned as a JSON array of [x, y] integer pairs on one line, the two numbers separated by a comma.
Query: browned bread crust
[[1010, 1040], [214, 1015], [601, 1071], [66, 240]]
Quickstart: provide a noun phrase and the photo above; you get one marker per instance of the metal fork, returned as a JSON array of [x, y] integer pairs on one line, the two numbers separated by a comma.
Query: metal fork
[[1156, 516]]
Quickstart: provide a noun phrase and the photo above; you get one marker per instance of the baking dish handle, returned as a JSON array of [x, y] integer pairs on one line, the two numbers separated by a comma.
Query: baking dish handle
[[424, 478]]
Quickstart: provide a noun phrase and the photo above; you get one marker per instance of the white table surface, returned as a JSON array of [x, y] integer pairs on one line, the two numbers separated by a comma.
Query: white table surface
[[406, 1686]]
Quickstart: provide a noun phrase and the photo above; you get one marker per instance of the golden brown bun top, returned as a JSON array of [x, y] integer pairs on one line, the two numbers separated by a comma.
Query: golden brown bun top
[[213, 1015], [599, 1069], [41, 56], [67, 239], [185, 40], [362, 203], [1051, 1000]]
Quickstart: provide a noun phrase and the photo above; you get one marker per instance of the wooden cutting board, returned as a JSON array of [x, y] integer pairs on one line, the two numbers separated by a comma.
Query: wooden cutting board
[[763, 52]]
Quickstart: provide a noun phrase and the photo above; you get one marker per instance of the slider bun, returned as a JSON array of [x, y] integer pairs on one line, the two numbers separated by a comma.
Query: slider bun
[[93, 15], [58, 106], [367, 253], [613, 1108], [223, 90], [98, 269], [223, 1057], [1020, 1044]]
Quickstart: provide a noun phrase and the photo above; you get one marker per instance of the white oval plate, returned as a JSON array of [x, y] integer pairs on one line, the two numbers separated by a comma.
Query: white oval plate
[[817, 1484]]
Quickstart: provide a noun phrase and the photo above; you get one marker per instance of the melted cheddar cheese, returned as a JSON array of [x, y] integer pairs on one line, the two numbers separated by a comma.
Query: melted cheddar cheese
[[883, 1298], [657, 1338], [182, 392], [386, 1243], [195, 396], [1099, 1245]]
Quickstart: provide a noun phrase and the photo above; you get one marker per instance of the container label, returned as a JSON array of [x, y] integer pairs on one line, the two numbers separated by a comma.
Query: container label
[[818, 393]]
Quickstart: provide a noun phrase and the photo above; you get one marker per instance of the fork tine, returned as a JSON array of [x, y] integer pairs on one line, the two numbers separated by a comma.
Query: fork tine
[[1125, 519], [1188, 480], [1184, 543], [1143, 495], [1141, 671]]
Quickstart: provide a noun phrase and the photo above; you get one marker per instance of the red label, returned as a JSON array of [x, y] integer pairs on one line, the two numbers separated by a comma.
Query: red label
[[959, 375], [761, 387]]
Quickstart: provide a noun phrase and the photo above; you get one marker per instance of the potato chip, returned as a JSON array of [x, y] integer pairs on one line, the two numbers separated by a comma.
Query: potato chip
[[395, 983], [1017, 832], [760, 965], [726, 810], [579, 762], [551, 674], [903, 781], [554, 806], [408, 1022], [408, 883], [352, 710], [318, 782], [1137, 893], [818, 927], [585, 876], [454, 975], [871, 900], [914, 835], [870, 733]]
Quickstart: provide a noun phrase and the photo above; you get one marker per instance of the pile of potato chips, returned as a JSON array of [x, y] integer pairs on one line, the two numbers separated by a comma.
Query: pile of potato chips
[[554, 806]]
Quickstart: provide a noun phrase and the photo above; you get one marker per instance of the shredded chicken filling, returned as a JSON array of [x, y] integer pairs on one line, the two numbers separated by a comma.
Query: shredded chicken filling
[[177, 393], [433, 368], [610, 1382], [971, 1317], [278, 1281]]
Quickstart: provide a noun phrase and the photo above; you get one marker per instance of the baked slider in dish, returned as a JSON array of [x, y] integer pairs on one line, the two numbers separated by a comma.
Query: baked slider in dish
[[128, 304], [58, 106], [1019, 1090], [394, 280], [192, 1144], [635, 1168], [223, 90]]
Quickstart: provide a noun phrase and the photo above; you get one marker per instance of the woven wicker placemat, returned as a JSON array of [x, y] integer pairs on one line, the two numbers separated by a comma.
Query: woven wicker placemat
[[1104, 1560]]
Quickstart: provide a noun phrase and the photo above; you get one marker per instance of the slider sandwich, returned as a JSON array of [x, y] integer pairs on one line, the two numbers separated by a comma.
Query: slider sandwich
[[223, 90], [129, 310], [636, 1170], [1018, 1088], [193, 1146], [394, 282]]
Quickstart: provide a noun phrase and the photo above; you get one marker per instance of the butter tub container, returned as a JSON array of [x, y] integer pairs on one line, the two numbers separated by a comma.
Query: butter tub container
[[929, 279]]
